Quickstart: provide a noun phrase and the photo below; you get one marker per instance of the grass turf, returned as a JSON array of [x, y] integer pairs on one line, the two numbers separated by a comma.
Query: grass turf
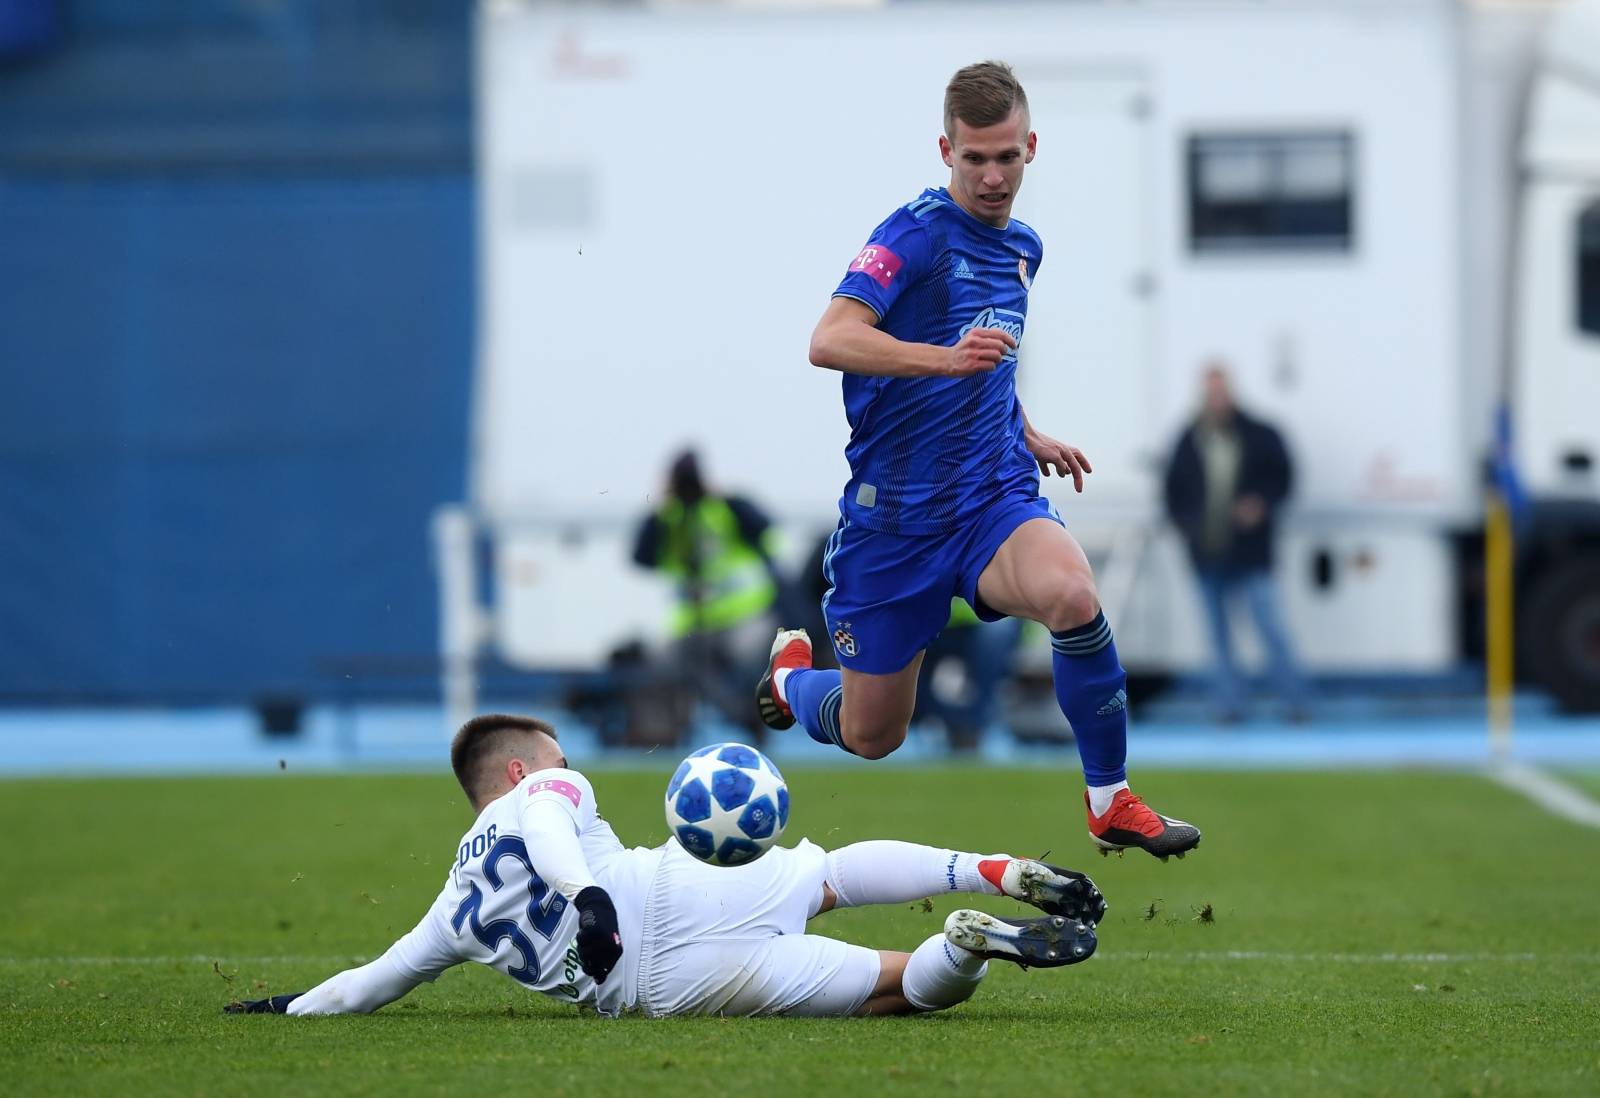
[[134, 909]]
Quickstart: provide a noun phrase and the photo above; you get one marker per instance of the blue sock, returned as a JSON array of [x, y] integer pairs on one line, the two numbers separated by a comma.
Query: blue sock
[[1090, 688], [814, 697]]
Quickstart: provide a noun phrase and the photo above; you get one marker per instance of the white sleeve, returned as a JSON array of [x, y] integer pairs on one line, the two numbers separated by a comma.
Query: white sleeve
[[418, 957], [356, 990], [556, 807]]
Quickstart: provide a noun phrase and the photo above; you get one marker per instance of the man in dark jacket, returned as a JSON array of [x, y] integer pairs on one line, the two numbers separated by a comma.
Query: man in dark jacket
[[1228, 476]]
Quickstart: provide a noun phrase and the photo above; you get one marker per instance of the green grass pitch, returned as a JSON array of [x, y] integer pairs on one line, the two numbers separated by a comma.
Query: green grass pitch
[[1368, 933]]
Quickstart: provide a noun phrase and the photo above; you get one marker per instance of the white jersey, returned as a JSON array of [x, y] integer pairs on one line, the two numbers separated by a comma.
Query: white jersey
[[696, 939], [497, 909]]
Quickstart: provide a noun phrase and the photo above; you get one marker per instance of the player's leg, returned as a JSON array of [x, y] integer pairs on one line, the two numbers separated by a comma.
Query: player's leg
[[887, 600], [1040, 572], [810, 976], [886, 871], [864, 714], [945, 970], [888, 996]]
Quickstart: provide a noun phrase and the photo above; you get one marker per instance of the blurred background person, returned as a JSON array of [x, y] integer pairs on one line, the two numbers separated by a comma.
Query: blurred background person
[[718, 550], [966, 705], [1227, 478]]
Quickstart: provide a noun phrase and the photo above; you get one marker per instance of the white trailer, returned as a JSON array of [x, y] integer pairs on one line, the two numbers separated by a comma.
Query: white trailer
[[1384, 213]]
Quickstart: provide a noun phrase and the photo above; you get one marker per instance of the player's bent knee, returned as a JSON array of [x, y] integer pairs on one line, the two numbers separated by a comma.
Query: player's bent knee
[[874, 746], [1074, 602], [873, 739]]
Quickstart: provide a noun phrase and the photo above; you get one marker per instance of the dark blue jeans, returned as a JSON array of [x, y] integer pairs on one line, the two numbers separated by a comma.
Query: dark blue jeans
[[1219, 589]]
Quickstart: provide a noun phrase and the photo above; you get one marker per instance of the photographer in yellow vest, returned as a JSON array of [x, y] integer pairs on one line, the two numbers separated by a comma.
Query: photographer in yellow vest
[[717, 549]]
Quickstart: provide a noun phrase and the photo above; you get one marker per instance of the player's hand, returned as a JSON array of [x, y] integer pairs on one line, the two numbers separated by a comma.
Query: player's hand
[[278, 1004], [1249, 510], [599, 940], [979, 351], [1065, 460]]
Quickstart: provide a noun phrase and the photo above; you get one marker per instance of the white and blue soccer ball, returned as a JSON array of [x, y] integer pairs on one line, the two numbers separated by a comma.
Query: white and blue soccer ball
[[727, 804]]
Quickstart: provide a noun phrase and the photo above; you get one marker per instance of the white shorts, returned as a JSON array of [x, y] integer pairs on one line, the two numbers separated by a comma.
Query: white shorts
[[733, 941]]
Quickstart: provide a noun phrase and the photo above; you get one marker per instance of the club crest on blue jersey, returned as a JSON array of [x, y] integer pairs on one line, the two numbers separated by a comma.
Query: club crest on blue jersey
[[1022, 273], [844, 640]]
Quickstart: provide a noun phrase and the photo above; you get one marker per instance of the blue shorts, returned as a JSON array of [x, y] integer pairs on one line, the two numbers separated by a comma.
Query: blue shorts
[[889, 594]]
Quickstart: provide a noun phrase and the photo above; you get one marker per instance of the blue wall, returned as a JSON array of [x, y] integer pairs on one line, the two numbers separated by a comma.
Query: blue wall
[[230, 398]]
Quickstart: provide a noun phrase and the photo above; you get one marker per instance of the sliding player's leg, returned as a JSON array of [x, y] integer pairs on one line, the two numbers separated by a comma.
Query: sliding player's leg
[[1039, 572], [810, 976], [946, 969], [886, 871], [732, 940]]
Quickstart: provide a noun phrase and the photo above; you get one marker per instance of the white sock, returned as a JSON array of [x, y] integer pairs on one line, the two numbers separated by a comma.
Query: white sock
[[777, 683], [887, 871], [1100, 797], [940, 975]]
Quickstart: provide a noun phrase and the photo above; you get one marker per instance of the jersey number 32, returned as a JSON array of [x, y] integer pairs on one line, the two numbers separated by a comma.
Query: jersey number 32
[[545, 909]]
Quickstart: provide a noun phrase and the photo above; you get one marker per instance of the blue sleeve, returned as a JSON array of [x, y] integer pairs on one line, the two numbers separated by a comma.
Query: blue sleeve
[[897, 254]]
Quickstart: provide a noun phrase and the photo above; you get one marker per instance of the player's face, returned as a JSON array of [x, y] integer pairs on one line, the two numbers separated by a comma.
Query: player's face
[[986, 165]]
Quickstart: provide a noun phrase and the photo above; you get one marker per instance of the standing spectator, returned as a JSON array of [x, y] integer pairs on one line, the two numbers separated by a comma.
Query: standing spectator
[[1228, 476], [718, 550], [984, 650]]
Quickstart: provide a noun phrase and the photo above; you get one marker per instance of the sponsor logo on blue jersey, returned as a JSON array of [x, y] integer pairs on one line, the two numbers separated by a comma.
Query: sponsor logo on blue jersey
[[1004, 319], [962, 270]]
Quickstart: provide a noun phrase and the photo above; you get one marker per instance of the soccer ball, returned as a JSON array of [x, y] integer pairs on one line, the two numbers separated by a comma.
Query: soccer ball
[[727, 804]]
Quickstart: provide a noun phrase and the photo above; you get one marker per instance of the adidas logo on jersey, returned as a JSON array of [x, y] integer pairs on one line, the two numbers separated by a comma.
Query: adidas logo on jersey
[[962, 270]]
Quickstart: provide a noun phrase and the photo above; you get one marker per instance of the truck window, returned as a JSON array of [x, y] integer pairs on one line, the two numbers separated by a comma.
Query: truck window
[[1588, 280], [1256, 192]]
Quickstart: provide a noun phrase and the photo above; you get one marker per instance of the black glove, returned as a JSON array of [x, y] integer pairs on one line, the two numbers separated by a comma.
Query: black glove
[[599, 941], [278, 1004]]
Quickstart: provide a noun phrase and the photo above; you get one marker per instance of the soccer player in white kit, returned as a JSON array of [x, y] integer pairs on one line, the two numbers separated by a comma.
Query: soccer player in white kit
[[543, 891]]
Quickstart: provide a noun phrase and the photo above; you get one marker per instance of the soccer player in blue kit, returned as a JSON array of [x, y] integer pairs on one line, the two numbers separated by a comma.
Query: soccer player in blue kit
[[943, 498]]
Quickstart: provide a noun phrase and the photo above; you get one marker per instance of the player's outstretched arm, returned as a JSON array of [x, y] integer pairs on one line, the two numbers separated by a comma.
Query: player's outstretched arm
[[848, 339], [418, 957], [353, 991]]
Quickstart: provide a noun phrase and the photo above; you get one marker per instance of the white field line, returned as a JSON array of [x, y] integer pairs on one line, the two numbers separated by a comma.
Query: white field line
[[1202, 956], [1165, 957], [1555, 797]]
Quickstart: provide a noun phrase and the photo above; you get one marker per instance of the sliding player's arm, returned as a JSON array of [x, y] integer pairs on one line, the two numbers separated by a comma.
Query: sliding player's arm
[[556, 808], [416, 958], [848, 339], [1050, 454]]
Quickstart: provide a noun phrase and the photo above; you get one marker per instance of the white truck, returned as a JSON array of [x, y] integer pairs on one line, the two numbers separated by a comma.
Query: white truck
[[1385, 214]]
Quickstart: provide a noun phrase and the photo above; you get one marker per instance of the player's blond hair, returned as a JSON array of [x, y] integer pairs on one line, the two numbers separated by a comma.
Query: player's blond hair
[[981, 95], [482, 739]]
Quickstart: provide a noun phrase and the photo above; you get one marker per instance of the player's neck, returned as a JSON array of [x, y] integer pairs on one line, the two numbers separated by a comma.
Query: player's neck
[[974, 214]]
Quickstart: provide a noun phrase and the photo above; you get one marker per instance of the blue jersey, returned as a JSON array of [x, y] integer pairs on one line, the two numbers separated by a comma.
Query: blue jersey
[[927, 453]]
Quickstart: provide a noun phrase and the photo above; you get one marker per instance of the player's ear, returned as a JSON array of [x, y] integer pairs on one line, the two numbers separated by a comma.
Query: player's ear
[[516, 770], [1031, 148], [946, 153]]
